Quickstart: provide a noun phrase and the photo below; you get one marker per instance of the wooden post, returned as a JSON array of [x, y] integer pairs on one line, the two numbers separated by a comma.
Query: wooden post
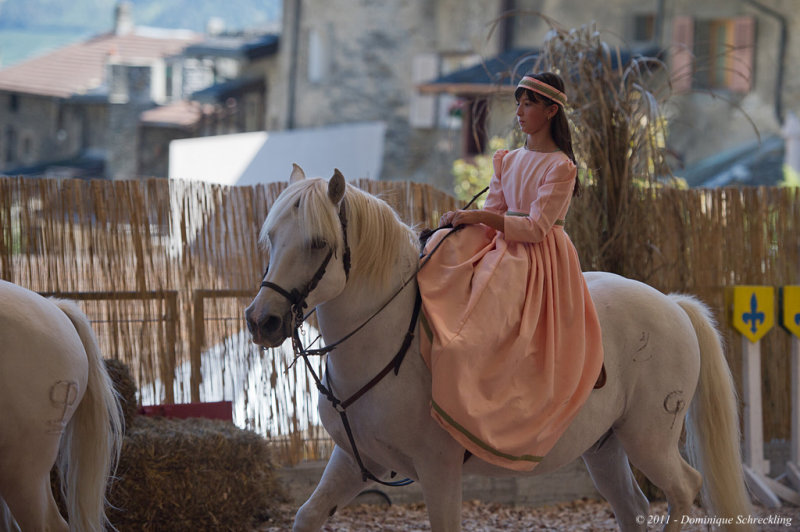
[[170, 359], [753, 316], [753, 412], [793, 465], [790, 321], [197, 342]]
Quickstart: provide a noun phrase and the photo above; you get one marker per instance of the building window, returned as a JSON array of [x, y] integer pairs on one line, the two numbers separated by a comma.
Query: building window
[[317, 57], [713, 53], [11, 144], [27, 149], [13, 102]]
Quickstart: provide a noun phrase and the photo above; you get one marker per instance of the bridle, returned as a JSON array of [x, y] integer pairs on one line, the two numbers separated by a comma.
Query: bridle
[[297, 300]]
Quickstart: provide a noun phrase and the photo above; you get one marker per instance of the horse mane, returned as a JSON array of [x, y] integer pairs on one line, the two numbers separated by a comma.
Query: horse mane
[[379, 239]]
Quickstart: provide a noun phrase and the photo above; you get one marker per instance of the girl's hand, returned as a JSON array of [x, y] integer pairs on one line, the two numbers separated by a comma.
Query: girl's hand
[[467, 218], [459, 217], [446, 219]]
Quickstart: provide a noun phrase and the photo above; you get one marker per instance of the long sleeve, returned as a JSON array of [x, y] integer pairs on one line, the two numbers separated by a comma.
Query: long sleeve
[[551, 203], [495, 199]]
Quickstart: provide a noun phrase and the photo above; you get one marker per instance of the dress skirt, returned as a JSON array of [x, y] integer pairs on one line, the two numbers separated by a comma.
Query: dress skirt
[[512, 340]]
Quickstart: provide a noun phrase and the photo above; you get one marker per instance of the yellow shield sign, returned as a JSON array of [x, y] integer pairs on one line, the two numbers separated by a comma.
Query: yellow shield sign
[[790, 309], [753, 310]]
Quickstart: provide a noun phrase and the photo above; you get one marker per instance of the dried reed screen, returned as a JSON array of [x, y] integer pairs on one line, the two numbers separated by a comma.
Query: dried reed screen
[[165, 269]]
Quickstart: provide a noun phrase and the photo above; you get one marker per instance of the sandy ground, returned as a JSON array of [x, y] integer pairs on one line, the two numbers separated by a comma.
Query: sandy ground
[[586, 514]]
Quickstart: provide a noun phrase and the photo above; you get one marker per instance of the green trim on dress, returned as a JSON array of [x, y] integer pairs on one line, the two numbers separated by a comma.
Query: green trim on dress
[[480, 443], [426, 326]]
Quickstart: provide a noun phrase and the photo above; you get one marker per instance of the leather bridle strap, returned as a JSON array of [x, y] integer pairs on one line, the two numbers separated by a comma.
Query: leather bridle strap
[[341, 406], [297, 298]]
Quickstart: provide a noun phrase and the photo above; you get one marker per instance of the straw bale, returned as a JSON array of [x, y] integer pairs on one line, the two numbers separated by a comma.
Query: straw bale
[[125, 386], [192, 474]]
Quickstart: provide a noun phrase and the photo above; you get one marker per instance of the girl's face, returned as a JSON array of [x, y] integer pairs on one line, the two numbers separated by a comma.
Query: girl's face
[[533, 116]]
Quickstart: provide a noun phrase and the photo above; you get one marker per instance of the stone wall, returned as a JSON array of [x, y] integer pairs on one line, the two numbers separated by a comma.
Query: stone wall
[[358, 64], [37, 128]]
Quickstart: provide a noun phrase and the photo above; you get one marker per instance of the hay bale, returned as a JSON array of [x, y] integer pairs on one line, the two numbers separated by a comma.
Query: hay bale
[[126, 387], [192, 474]]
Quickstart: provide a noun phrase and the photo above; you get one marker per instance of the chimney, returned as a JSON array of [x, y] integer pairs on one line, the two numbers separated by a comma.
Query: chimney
[[215, 27], [123, 18]]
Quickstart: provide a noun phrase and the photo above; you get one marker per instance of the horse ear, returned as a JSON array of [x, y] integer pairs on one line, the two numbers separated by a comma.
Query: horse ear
[[336, 187], [297, 174]]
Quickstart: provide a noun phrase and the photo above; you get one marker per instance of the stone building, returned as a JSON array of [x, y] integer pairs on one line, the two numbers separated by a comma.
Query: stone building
[[108, 107], [74, 112], [351, 61], [735, 74]]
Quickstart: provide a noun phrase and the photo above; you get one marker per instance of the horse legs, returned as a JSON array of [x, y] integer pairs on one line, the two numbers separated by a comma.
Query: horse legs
[[608, 465], [25, 483], [31, 503], [440, 478], [656, 455], [340, 483], [7, 522]]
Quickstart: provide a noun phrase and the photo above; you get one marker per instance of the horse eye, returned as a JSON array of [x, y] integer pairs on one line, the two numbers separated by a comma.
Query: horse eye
[[318, 243]]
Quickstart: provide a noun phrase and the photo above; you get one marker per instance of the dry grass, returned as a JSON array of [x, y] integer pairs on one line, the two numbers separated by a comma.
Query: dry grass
[[159, 235]]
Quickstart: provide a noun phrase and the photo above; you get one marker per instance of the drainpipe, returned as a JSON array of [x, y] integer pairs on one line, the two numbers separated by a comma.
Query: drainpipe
[[783, 38], [658, 30], [506, 39], [294, 54]]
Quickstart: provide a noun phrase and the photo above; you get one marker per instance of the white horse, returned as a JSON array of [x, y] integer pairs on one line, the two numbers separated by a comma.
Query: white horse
[[57, 402], [663, 358]]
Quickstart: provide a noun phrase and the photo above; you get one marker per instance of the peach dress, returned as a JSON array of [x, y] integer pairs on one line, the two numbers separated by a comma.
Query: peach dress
[[512, 336]]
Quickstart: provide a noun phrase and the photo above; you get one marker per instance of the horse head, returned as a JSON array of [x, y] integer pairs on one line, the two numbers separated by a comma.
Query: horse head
[[305, 233]]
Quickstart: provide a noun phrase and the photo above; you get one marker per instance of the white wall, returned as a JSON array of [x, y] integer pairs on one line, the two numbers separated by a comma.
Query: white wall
[[263, 157]]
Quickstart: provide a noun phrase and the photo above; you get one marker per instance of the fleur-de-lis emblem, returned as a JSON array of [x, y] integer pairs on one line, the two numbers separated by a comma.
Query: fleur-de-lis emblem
[[754, 317]]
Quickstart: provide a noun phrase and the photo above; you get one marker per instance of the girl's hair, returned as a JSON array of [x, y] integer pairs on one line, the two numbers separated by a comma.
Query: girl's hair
[[559, 125]]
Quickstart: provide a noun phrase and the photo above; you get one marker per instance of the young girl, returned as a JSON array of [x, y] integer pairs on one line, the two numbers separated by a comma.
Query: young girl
[[513, 340]]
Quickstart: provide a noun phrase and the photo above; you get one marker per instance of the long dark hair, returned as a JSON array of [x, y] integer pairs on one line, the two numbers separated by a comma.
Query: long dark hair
[[559, 125]]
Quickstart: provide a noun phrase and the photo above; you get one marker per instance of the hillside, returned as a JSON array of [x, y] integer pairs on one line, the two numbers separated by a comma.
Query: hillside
[[31, 27]]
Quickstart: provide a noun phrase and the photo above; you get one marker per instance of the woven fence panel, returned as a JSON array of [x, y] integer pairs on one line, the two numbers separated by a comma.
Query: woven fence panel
[[180, 242]]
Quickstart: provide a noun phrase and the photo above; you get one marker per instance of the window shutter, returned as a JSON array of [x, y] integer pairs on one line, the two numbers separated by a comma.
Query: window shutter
[[741, 63], [425, 67], [682, 56]]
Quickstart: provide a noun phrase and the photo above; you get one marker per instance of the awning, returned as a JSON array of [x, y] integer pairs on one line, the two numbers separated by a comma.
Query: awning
[[503, 71]]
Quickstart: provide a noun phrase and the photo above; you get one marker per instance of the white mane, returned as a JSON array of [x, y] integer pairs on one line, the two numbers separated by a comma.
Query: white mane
[[378, 238]]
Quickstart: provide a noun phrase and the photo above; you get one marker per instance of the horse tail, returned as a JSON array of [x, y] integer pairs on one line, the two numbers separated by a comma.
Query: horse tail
[[92, 439], [712, 433]]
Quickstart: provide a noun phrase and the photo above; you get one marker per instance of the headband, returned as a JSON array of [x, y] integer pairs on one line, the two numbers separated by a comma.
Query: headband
[[544, 89]]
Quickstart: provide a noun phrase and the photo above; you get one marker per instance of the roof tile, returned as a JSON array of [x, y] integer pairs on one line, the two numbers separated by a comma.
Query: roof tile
[[80, 67]]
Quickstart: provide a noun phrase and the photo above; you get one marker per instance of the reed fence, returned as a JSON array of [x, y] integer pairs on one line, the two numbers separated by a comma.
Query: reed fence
[[165, 268]]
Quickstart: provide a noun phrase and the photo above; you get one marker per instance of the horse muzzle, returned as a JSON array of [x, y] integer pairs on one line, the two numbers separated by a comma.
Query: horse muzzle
[[268, 329]]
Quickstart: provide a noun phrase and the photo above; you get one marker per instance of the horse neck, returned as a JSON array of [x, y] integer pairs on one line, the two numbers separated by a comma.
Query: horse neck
[[371, 348]]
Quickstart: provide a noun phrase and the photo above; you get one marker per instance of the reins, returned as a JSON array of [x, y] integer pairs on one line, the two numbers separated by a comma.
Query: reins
[[297, 300]]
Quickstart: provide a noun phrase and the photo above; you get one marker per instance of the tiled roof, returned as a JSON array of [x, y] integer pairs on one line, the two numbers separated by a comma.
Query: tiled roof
[[181, 114], [78, 68]]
